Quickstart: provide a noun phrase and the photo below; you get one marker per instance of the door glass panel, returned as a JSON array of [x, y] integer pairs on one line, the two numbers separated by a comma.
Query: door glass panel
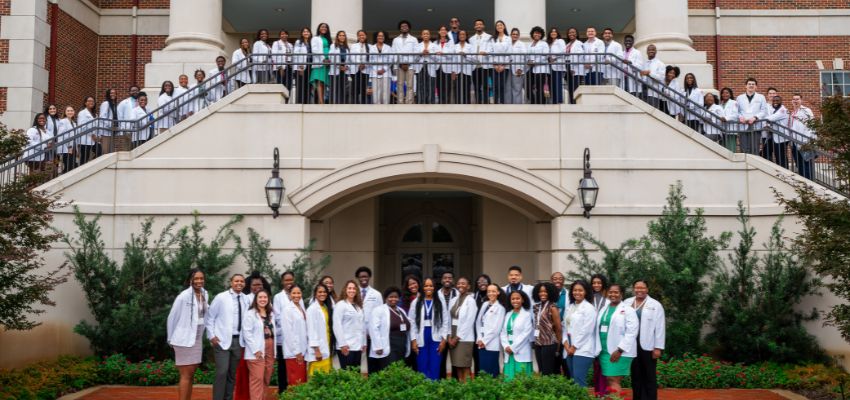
[[442, 262], [413, 234], [439, 234], [411, 264]]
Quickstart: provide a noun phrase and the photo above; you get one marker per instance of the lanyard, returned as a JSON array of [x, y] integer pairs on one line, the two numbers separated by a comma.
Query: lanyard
[[429, 305], [484, 314]]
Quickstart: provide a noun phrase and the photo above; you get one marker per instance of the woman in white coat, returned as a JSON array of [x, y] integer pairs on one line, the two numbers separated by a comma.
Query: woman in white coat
[[261, 57], [672, 89], [65, 144], [616, 342], [361, 58], [258, 339], [517, 66], [426, 68], [714, 114], [517, 335], [339, 69], [489, 329], [88, 144], [579, 323], [430, 327], [730, 118], [576, 69], [381, 73], [144, 121], [444, 57], [319, 331], [557, 61], [167, 115], [463, 64], [38, 140], [185, 329], [462, 312], [295, 340], [241, 61], [390, 331], [500, 47], [538, 67], [695, 103], [348, 326]]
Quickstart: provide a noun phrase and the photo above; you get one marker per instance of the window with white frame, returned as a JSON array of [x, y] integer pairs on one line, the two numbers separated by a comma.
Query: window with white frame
[[835, 83]]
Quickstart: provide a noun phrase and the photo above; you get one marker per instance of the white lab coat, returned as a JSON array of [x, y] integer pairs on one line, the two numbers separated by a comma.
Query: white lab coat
[[253, 337], [219, 321], [379, 331], [465, 321], [403, 44], [755, 108], [282, 54], [430, 58], [674, 90], [301, 53], [218, 81], [349, 323], [498, 50], [652, 324], [525, 288], [295, 338], [318, 48], [780, 118], [622, 331], [438, 332], [557, 55], [444, 60], [655, 79], [166, 113], [372, 299], [382, 58], [489, 325], [718, 112], [126, 112], [798, 121], [361, 54], [261, 57], [183, 321], [522, 337], [591, 48], [694, 110], [518, 57], [36, 137], [581, 329], [576, 64], [84, 117], [335, 55], [65, 127], [479, 43], [538, 55], [317, 335], [244, 75], [107, 115], [281, 301], [613, 49], [463, 61], [144, 124], [636, 58], [52, 125]]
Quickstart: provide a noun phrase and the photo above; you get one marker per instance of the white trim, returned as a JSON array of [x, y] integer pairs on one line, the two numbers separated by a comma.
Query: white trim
[[115, 22], [821, 22]]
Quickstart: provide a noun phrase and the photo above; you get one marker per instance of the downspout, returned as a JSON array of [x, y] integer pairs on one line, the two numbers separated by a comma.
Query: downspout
[[717, 44], [54, 39], [134, 43]]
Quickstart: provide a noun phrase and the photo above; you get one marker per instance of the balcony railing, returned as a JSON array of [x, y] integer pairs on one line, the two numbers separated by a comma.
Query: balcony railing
[[435, 78]]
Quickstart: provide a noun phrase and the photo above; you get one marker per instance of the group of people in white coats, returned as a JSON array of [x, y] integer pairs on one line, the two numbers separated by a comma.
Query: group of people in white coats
[[432, 325]]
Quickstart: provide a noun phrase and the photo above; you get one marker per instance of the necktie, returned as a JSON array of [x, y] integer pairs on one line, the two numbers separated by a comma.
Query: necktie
[[363, 291], [239, 307]]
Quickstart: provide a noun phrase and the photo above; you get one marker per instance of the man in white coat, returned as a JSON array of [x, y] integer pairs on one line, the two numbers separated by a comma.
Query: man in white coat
[[653, 73], [515, 282], [125, 107], [220, 83], [751, 108], [224, 327], [633, 57], [281, 301], [651, 336], [593, 68], [404, 43], [371, 299], [798, 118], [481, 44], [611, 75]]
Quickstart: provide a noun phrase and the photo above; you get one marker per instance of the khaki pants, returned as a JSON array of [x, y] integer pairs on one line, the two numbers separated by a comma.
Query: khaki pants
[[405, 78], [260, 372]]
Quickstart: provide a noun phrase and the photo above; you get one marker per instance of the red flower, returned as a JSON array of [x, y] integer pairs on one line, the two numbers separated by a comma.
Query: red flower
[[717, 375]]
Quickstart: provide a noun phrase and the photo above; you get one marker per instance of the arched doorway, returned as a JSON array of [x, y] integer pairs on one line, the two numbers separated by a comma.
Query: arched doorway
[[428, 248]]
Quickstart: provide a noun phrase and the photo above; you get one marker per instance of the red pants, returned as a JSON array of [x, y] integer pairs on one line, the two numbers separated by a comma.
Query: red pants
[[296, 373]]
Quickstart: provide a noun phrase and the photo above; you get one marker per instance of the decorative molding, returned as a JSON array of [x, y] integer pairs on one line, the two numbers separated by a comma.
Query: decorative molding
[[827, 22], [116, 22]]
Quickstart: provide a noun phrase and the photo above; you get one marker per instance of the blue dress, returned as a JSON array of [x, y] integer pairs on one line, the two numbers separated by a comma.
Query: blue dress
[[428, 360]]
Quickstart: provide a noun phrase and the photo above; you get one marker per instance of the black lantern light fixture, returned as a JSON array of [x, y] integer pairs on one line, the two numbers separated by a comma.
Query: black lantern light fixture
[[274, 186], [588, 189]]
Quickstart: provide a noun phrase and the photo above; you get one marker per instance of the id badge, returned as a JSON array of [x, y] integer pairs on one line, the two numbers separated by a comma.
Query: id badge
[[427, 323], [454, 323], [402, 328], [536, 333], [603, 329]]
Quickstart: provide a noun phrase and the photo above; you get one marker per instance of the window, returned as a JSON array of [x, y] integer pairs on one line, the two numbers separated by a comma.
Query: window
[[835, 83]]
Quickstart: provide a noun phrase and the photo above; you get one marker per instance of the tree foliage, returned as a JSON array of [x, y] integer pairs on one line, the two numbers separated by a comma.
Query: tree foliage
[[614, 263], [825, 239], [306, 270], [757, 318], [257, 256], [25, 218]]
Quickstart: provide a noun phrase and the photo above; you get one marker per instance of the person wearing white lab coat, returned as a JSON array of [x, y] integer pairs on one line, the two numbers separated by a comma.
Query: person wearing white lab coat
[[295, 342], [777, 142], [281, 301], [593, 48], [390, 330], [694, 103], [371, 299], [517, 335], [462, 66], [426, 68], [616, 338], [199, 94], [224, 327], [349, 323], [108, 113], [66, 143], [339, 69], [220, 82], [429, 329], [557, 61], [261, 58], [405, 44], [574, 46], [241, 62], [38, 141], [143, 122], [517, 69], [500, 48], [381, 73], [634, 61], [282, 60], [515, 282], [673, 91], [751, 109], [651, 338], [611, 75], [319, 331], [303, 64], [579, 324], [798, 120], [714, 114], [481, 45], [360, 68], [462, 312], [489, 329], [167, 109], [258, 339], [88, 143], [126, 107], [537, 68], [730, 119], [53, 115], [653, 73], [444, 58], [185, 329]]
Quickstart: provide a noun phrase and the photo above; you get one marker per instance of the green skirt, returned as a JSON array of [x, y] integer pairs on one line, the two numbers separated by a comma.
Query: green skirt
[[514, 368], [319, 74], [622, 367]]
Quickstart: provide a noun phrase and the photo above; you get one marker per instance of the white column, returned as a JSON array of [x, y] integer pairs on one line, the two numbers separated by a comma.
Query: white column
[[344, 15], [24, 75], [524, 15], [194, 25], [663, 23]]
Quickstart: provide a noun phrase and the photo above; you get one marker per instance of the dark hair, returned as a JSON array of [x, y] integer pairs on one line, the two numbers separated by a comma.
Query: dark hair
[[162, 90], [331, 293], [251, 278], [47, 109], [502, 298], [344, 42], [798, 95], [221, 58], [696, 85], [515, 268], [515, 29], [538, 30], [465, 33], [601, 278], [135, 86], [404, 21], [35, 120], [496, 31], [358, 300], [485, 276], [772, 88], [285, 273], [93, 107], [375, 36], [551, 293], [447, 271], [619, 286], [478, 19], [406, 283], [731, 93], [269, 307], [328, 301], [235, 275], [192, 272], [674, 69], [751, 79], [203, 74], [363, 269], [259, 32], [549, 35], [390, 290], [141, 94], [629, 36], [578, 34], [714, 96], [526, 302], [608, 29], [639, 281], [357, 35], [588, 291], [437, 311]]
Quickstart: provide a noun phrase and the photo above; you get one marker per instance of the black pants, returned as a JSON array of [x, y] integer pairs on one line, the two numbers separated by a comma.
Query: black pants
[[284, 77], [444, 87], [88, 152], [359, 94], [281, 371], [425, 86], [338, 85], [68, 162], [476, 367], [462, 89], [547, 359], [767, 148], [351, 360], [780, 151], [535, 88], [372, 364], [501, 85], [644, 384], [804, 167], [695, 125], [302, 86], [573, 82], [481, 80]]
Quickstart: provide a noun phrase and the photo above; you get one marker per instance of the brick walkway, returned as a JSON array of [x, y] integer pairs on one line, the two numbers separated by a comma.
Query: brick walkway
[[205, 393]]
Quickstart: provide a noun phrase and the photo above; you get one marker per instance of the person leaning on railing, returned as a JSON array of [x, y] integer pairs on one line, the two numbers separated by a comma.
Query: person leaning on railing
[[143, 122], [751, 108], [65, 148], [38, 140], [462, 65], [426, 68], [339, 69], [798, 120], [537, 66], [729, 118], [282, 59], [694, 99], [557, 51], [89, 143], [260, 57], [166, 119], [220, 85], [243, 76], [500, 47]]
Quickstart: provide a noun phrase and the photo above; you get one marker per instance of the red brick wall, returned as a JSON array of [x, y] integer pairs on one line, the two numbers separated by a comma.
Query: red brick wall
[[76, 69], [113, 59], [785, 62], [129, 3], [767, 4], [5, 8]]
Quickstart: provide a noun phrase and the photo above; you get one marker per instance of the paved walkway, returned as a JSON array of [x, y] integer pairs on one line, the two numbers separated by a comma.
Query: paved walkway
[[205, 392]]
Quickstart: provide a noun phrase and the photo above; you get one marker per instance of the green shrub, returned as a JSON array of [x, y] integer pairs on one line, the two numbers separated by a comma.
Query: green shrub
[[49, 380]]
